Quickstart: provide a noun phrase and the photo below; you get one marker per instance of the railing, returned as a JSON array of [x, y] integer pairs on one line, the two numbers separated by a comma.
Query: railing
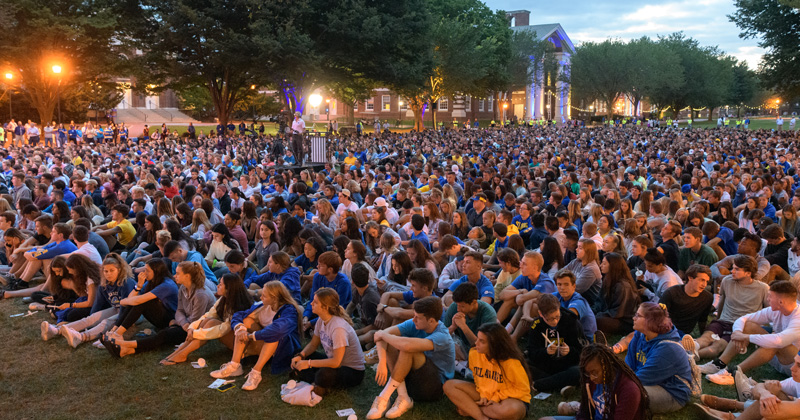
[[133, 110], [161, 111]]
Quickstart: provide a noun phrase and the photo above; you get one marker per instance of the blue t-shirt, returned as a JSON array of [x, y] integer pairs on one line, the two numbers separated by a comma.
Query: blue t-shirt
[[443, 355], [422, 237], [485, 287], [408, 297], [588, 321], [544, 285], [196, 257], [167, 293]]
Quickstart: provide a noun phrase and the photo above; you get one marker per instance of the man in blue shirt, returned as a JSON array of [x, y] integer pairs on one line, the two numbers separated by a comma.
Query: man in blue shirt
[[471, 268], [571, 300], [530, 284], [420, 354], [177, 254], [41, 257]]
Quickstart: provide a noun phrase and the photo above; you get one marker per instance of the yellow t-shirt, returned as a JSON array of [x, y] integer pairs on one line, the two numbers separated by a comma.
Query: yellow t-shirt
[[127, 231], [497, 382], [512, 230], [350, 161]]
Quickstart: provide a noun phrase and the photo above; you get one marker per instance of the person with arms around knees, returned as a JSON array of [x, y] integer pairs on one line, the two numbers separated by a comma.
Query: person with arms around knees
[[777, 347], [216, 323], [420, 354], [501, 389], [739, 294], [464, 316], [271, 329], [342, 365]]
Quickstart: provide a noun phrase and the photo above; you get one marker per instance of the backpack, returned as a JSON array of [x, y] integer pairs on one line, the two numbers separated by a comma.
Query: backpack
[[696, 386]]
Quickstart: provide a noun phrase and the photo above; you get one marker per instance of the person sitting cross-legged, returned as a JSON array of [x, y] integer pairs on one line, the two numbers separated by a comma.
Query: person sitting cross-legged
[[501, 389], [420, 354], [554, 346], [609, 389], [777, 348]]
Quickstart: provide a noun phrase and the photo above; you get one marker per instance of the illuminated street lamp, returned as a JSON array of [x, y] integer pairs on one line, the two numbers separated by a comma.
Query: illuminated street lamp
[[9, 77], [399, 112], [505, 107], [57, 70]]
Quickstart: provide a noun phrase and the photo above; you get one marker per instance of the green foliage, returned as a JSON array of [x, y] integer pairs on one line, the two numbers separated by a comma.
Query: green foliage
[[777, 26], [78, 35], [599, 71]]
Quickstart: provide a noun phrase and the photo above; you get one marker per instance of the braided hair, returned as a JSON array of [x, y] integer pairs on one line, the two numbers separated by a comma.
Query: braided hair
[[612, 367]]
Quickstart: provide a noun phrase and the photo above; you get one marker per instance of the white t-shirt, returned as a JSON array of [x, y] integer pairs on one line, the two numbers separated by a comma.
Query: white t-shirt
[[342, 207], [265, 316], [299, 125], [790, 387]]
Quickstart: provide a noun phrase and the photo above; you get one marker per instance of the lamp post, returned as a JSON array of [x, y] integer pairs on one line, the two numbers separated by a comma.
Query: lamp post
[[505, 107], [548, 111], [9, 77], [328, 109], [399, 113], [57, 70]]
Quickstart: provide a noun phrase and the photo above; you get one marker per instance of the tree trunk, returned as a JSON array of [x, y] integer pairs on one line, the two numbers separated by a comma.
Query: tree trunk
[[710, 113], [419, 124]]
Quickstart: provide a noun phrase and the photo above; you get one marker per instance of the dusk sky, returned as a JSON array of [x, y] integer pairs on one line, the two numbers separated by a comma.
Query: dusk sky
[[585, 20]]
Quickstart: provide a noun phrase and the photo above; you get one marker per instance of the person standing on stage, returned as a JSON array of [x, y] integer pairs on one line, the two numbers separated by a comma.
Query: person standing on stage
[[298, 129]]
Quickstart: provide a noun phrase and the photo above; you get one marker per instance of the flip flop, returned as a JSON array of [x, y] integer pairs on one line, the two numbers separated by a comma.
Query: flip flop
[[167, 362]]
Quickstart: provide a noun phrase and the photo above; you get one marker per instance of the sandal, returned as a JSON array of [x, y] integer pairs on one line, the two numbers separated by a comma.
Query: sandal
[[111, 347], [167, 362]]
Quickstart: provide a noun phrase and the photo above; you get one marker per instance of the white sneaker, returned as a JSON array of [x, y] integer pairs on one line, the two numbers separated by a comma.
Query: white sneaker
[[73, 337], [379, 407], [98, 345], [48, 331], [227, 370], [36, 306], [253, 379], [723, 377], [569, 408], [744, 385], [401, 406], [709, 368]]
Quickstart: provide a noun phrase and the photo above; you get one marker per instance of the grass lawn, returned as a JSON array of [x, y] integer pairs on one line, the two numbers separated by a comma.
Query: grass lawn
[[50, 380]]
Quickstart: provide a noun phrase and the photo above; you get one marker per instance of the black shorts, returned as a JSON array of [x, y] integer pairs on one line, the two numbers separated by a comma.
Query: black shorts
[[423, 384], [721, 328]]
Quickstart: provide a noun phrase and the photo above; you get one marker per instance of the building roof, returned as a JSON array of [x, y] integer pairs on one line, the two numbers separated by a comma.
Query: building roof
[[552, 31]]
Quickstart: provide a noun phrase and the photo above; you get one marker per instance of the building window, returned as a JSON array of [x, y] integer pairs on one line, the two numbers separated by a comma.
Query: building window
[[355, 106], [481, 105], [444, 104], [370, 105], [469, 103], [491, 104], [386, 102], [403, 104]]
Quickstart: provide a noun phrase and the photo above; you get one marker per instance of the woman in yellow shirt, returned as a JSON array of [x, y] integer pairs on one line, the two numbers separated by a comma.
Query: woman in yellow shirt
[[502, 389]]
